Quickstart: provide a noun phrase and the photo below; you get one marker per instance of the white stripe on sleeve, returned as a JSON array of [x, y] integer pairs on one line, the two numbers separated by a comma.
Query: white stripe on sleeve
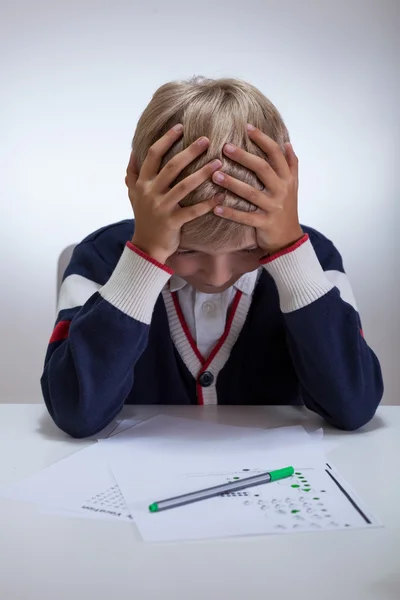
[[341, 281], [75, 291]]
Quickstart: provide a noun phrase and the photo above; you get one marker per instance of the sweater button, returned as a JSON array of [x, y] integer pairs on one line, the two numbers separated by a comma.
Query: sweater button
[[206, 379]]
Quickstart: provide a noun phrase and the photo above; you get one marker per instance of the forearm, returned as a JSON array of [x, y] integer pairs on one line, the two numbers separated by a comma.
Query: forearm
[[339, 375], [91, 356]]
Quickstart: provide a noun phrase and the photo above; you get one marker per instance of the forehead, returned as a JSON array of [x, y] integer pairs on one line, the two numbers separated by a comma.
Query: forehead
[[246, 240]]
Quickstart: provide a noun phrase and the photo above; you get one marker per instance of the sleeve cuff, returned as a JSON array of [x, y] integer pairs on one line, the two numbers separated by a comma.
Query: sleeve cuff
[[136, 283], [298, 275]]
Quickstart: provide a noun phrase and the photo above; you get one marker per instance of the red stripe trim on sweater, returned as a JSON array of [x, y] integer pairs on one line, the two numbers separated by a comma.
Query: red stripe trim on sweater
[[200, 399], [205, 363], [223, 337], [362, 333], [186, 328], [60, 332], [150, 259], [300, 242]]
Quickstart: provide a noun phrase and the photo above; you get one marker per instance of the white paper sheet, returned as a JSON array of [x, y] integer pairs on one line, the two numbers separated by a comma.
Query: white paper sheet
[[161, 429], [115, 427], [79, 483], [163, 451], [177, 444], [104, 433], [311, 500], [124, 426], [164, 447], [165, 457]]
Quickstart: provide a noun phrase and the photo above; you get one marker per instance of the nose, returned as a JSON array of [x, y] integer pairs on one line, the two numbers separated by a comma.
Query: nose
[[218, 271]]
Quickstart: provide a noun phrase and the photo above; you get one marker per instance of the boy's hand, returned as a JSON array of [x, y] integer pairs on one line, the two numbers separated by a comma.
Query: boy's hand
[[158, 216], [276, 219]]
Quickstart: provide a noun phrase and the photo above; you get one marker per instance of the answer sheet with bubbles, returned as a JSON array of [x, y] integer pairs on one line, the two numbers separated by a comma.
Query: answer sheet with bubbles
[[313, 499]]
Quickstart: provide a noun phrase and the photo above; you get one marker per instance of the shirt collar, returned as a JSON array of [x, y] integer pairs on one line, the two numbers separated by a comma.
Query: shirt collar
[[246, 283]]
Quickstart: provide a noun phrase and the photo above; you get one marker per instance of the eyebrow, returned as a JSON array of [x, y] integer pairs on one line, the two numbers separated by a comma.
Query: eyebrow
[[250, 247]]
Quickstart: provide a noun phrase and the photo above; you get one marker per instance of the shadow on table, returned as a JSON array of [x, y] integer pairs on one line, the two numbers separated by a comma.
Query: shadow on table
[[376, 423], [49, 430], [286, 416], [268, 417]]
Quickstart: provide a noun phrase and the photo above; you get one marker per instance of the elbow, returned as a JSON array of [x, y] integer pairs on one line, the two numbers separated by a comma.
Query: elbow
[[77, 424], [78, 433], [71, 419], [356, 413], [72, 423], [352, 422], [75, 427], [359, 407]]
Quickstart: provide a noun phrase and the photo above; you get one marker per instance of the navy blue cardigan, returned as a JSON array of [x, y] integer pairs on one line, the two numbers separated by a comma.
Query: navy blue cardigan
[[112, 343]]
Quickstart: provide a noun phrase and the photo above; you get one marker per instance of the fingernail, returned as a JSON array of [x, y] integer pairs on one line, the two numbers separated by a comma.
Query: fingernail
[[202, 142], [178, 127], [250, 127], [216, 164], [218, 177], [229, 148], [219, 210]]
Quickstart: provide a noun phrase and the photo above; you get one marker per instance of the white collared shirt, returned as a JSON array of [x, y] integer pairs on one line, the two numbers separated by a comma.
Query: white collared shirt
[[205, 314]]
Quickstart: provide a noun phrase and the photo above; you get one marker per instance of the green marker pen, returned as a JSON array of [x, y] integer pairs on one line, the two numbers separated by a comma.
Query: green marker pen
[[217, 490]]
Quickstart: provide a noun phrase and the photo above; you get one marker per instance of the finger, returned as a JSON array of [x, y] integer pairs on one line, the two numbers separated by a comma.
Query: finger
[[132, 165], [190, 183], [171, 170], [251, 219], [155, 153], [244, 190], [189, 213], [271, 149], [132, 171], [292, 160], [261, 168]]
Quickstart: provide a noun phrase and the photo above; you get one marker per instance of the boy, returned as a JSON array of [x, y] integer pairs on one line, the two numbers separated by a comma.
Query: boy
[[215, 293]]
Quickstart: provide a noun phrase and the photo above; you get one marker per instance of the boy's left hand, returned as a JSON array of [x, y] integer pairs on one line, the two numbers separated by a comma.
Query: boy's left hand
[[276, 220]]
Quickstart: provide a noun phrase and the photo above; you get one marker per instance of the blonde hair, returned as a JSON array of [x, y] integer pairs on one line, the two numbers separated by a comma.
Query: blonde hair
[[218, 109]]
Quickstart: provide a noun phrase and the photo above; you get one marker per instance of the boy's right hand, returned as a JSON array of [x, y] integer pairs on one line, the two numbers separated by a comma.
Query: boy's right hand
[[158, 216]]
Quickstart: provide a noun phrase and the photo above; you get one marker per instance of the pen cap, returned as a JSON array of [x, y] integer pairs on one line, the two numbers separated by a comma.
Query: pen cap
[[281, 473]]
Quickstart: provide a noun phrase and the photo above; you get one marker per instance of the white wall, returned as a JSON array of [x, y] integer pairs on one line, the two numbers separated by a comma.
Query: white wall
[[74, 78]]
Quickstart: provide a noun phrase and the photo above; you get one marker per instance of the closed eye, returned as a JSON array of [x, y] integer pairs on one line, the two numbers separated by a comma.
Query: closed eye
[[249, 250], [185, 252]]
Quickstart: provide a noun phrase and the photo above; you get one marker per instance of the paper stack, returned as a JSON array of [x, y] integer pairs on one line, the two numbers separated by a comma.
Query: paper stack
[[137, 463]]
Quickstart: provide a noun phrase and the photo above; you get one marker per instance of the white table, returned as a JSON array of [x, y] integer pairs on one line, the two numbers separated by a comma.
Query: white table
[[48, 557]]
